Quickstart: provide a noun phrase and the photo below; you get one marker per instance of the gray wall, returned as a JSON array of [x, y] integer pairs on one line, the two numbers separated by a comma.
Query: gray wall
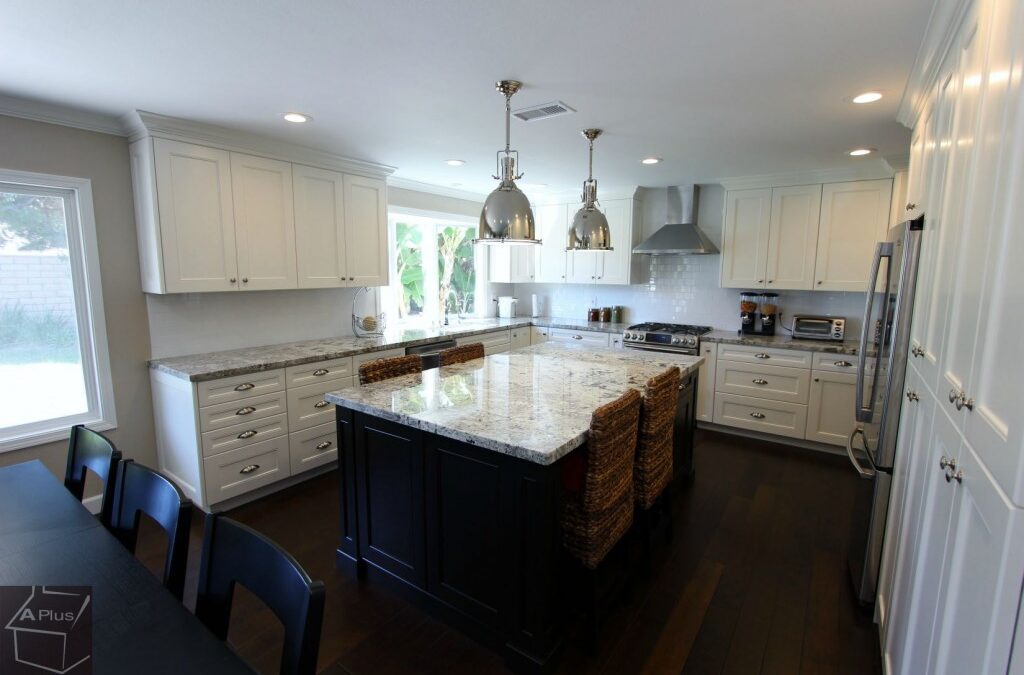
[[27, 145]]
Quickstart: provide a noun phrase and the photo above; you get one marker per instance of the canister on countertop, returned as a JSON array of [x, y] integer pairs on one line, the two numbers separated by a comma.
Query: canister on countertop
[[617, 314], [593, 314], [606, 314]]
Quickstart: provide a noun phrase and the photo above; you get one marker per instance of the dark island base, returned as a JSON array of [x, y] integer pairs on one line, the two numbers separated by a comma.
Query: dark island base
[[471, 535]]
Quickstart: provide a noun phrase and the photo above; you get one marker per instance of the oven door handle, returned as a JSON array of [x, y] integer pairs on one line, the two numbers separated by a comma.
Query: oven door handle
[[684, 352]]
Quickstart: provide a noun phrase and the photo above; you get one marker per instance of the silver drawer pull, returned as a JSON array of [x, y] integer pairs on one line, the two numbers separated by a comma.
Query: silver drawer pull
[[762, 355], [323, 445], [759, 380], [577, 337], [249, 468], [247, 434], [757, 415], [245, 386], [247, 410], [842, 364], [321, 404], [320, 372]]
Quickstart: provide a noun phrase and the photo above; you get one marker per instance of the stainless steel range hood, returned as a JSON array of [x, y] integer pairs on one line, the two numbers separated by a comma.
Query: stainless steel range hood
[[680, 234]]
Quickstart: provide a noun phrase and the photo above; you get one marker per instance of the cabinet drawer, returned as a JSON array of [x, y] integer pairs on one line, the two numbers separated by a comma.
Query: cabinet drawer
[[538, 334], [307, 407], [320, 371], [237, 387], [229, 438], [838, 363], [494, 343], [771, 382], [241, 412], [313, 447], [758, 414], [589, 337], [776, 357], [236, 472]]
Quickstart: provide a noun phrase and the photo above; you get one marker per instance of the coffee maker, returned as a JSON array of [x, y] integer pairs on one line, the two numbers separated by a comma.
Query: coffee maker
[[759, 313]]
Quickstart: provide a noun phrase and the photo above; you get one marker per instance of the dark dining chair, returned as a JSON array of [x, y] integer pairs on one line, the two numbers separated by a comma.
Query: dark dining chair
[[141, 490], [384, 369], [234, 553], [88, 449], [462, 354]]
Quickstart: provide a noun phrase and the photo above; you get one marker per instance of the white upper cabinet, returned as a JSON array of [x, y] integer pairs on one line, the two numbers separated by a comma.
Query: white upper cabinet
[[210, 218], [745, 238], [552, 228], [615, 266], [854, 218], [584, 267], [366, 231], [264, 222], [510, 263], [793, 237], [196, 231]]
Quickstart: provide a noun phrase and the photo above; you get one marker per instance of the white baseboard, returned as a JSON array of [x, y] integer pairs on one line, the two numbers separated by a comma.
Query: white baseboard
[[783, 440], [93, 504]]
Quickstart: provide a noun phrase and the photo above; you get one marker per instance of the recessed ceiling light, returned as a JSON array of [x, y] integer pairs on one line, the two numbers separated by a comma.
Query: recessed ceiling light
[[860, 152], [650, 160], [295, 117], [867, 97], [455, 162]]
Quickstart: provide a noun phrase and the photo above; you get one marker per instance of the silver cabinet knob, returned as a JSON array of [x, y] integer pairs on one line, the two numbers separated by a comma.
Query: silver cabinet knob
[[819, 282], [245, 280], [953, 395], [760, 281], [762, 355], [917, 350], [321, 404], [957, 476], [911, 206], [912, 395], [232, 280], [323, 445], [760, 381], [577, 337], [249, 468], [245, 386], [842, 364], [963, 402], [771, 280], [351, 278], [320, 372], [947, 463], [247, 410], [247, 434]]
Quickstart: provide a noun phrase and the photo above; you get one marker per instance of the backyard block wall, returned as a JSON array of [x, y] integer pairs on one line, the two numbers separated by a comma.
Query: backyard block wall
[[38, 282]]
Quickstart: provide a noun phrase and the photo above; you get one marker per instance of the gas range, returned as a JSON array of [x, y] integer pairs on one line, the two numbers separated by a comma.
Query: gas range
[[665, 337]]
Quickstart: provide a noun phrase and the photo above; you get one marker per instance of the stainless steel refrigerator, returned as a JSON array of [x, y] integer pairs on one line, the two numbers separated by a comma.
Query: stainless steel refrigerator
[[884, 344]]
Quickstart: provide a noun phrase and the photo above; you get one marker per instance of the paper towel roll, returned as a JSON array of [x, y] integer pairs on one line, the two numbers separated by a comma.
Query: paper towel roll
[[534, 305]]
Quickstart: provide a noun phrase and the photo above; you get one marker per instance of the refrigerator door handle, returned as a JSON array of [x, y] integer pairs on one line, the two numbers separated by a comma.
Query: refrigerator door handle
[[864, 473], [864, 413]]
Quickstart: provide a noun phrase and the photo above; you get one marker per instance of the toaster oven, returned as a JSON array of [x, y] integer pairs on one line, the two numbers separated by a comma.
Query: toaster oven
[[819, 327]]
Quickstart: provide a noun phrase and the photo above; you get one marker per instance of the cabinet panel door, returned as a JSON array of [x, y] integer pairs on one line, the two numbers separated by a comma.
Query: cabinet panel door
[[264, 222], [745, 238], [830, 417], [982, 584], [854, 218], [366, 231], [583, 266], [552, 227], [319, 227], [197, 221], [523, 257], [706, 382], [616, 263], [793, 237], [916, 622]]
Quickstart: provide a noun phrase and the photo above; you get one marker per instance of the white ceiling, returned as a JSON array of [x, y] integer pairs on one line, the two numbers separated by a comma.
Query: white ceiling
[[717, 88]]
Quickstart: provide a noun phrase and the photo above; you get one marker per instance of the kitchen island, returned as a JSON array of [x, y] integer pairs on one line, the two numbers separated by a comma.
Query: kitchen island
[[451, 482]]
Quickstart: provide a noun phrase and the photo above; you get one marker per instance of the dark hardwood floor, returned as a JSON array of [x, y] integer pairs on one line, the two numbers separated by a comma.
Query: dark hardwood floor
[[754, 581]]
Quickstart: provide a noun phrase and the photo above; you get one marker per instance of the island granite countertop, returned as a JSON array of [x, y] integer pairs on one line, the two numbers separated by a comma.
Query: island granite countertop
[[533, 403], [214, 365]]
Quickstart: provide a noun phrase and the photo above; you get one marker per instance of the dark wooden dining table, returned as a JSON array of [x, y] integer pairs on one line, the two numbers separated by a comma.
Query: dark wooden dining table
[[47, 538]]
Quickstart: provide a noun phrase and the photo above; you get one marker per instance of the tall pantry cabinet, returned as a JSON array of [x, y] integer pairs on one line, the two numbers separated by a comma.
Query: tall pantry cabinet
[[949, 601]]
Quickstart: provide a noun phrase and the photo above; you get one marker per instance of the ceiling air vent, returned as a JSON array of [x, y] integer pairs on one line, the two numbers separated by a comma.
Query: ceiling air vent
[[543, 111]]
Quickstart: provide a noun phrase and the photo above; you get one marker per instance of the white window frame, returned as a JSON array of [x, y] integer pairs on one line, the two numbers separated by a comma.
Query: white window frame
[[83, 254], [431, 310]]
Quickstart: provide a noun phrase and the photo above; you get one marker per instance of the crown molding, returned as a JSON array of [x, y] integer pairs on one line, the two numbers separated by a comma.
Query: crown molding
[[52, 113], [439, 190], [142, 124], [865, 170], [943, 24]]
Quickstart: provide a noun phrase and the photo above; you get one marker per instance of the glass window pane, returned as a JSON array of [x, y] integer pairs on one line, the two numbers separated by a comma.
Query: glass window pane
[[41, 375], [456, 271], [409, 269]]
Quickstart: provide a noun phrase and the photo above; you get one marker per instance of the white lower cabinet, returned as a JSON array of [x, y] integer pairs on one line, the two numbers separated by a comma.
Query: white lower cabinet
[[521, 337], [706, 382], [761, 414], [313, 447], [830, 417], [538, 334], [497, 342], [242, 470], [590, 337]]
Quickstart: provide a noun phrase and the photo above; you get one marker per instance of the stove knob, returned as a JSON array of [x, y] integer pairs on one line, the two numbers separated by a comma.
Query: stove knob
[[675, 340], [641, 337], [691, 342]]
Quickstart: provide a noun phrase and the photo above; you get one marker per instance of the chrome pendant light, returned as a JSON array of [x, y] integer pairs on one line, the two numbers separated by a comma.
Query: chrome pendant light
[[589, 229], [507, 217]]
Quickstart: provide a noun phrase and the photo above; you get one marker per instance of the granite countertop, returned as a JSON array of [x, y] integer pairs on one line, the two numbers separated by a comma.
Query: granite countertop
[[533, 403], [213, 365], [785, 341]]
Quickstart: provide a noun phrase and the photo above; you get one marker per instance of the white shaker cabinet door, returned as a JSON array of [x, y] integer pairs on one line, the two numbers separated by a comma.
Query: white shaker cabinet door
[[197, 223], [830, 410], [854, 218], [616, 263], [745, 238], [793, 237], [552, 229], [583, 266], [366, 231], [706, 382], [319, 227], [523, 258], [264, 222]]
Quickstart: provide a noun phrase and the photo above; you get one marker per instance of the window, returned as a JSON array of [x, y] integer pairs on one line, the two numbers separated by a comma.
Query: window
[[434, 268], [54, 367]]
